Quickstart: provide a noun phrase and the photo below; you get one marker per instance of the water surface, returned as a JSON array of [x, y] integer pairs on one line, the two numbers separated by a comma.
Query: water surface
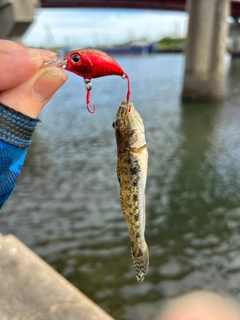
[[65, 206]]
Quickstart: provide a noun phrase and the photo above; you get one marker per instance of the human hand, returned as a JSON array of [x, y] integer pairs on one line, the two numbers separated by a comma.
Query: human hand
[[25, 85], [199, 305]]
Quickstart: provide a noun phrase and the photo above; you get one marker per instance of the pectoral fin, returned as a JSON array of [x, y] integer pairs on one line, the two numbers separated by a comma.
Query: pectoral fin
[[137, 150]]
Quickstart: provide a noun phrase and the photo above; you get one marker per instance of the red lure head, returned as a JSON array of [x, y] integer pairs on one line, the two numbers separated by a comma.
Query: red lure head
[[91, 63]]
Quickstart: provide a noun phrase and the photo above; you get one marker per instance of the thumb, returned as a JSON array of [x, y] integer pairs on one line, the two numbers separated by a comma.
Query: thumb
[[17, 66], [31, 96]]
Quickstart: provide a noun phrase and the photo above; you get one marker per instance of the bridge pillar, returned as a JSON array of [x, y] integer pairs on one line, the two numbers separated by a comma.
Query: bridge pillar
[[15, 17], [234, 47], [205, 50]]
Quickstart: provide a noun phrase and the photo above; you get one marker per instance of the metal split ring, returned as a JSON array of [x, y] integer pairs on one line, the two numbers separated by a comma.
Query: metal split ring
[[87, 84], [55, 63]]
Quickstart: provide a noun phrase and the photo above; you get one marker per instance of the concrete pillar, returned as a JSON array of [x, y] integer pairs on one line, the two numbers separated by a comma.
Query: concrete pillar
[[15, 17], [234, 47], [205, 50]]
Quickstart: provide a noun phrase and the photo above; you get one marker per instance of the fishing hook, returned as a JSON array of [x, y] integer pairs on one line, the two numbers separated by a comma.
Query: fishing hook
[[125, 76], [88, 87]]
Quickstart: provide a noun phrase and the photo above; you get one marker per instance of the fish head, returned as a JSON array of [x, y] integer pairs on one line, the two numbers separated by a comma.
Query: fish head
[[78, 62], [129, 126]]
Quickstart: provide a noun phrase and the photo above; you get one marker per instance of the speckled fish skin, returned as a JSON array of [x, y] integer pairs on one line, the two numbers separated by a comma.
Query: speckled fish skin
[[132, 175]]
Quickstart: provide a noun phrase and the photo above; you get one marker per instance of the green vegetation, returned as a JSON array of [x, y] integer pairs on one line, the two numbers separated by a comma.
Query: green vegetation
[[169, 43]]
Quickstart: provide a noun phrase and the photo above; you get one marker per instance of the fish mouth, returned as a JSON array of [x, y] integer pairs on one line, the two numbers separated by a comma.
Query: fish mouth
[[127, 105]]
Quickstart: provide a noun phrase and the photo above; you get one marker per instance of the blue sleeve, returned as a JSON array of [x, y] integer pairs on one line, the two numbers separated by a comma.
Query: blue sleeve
[[11, 161], [16, 130]]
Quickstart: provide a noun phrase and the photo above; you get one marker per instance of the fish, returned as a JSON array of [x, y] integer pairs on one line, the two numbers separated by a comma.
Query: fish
[[132, 165]]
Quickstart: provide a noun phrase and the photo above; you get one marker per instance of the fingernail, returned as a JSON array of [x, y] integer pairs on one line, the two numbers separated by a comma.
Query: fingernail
[[48, 83], [47, 54]]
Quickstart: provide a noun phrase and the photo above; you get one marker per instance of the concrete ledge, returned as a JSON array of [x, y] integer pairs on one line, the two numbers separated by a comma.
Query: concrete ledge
[[31, 290]]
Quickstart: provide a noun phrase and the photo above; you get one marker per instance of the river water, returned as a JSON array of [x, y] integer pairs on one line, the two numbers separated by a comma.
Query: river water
[[65, 206]]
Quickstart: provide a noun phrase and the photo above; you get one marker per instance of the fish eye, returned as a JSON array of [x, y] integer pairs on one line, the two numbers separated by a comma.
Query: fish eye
[[113, 125], [119, 122], [75, 57]]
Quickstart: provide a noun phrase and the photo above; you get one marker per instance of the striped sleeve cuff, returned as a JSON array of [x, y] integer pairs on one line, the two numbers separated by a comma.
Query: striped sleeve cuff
[[15, 127]]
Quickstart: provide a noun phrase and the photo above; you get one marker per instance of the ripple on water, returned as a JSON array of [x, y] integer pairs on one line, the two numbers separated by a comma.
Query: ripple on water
[[66, 202]]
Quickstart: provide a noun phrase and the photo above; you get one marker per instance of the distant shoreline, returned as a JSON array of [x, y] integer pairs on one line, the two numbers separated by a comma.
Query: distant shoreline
[[170, 50]]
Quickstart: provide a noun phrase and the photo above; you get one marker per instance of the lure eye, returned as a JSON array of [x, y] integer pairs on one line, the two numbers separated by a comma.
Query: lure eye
[[75, 57], [119, 123]]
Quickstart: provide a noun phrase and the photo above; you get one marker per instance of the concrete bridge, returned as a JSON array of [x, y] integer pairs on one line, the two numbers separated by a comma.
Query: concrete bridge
[[175, 5], [17, 15], [206, 40]]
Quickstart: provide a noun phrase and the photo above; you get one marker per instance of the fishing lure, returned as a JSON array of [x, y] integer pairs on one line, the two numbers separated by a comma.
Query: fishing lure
[[89, 64]]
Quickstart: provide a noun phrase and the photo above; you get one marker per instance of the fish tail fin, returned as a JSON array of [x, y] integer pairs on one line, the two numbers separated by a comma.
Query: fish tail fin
[[141, 262]]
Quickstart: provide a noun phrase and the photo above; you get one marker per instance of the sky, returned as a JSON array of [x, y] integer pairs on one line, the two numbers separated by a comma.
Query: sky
[[94, 27]]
